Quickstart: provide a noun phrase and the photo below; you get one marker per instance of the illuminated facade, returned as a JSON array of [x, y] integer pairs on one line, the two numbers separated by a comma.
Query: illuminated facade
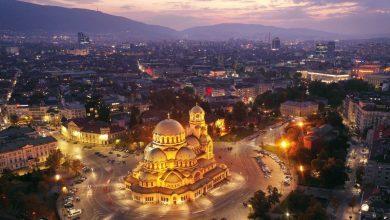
[[298, 109], [178, 165], [92, 132]]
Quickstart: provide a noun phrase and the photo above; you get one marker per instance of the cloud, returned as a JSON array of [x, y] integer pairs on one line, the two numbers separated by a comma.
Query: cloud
[[330, 15]]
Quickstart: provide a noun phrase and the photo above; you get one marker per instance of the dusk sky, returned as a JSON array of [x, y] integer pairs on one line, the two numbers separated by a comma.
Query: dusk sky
[[342, 16]]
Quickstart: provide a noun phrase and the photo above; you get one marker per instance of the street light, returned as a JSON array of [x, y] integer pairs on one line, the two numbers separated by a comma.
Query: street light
[[301, 168], [57, 177], [284, 144], [287, 215], [300, 124]]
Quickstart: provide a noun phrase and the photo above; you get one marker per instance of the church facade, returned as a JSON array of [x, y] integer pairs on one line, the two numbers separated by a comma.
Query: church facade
[[178, 165]]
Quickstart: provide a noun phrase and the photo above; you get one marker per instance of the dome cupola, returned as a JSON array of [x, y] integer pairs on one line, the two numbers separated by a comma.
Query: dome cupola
[[185, 153], [169, 132]]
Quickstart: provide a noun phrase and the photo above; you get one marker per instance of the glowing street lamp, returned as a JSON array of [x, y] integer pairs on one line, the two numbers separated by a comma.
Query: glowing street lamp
[[57, 177], [284, 144], [300, 124], [301, 168]]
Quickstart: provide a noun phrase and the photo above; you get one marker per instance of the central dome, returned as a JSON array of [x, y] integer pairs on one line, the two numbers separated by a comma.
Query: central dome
[[168, 127], [168, 132]]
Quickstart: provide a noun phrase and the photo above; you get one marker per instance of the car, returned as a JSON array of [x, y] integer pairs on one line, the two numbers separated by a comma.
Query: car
[[110, 152], [74, 212], [68, 205], [77, 218], [118, 155], [125, 156]]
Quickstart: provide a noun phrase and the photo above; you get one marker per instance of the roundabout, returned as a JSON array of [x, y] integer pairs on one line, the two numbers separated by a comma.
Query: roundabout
[[106, 195]]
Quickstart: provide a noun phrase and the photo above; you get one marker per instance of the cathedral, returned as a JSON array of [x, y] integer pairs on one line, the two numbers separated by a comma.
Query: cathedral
[[178, 165]]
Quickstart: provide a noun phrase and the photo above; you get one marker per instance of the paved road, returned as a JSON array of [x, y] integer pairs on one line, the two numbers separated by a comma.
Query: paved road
[[102, 195]]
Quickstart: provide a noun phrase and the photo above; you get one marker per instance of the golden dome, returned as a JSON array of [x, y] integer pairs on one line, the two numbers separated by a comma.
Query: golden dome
[[155, 155], [196, 109], [185, 153], [168, 127], [193, 142]]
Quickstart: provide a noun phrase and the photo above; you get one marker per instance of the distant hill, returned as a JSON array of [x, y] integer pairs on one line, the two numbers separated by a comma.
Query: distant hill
[[32, 18], [254, 31], [26, 17]]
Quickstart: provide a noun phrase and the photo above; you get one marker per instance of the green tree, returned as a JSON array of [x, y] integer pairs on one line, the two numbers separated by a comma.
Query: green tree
[[134, 114], [240, 112], [13, 119], [260, 206], [53, 161], [273, 195]]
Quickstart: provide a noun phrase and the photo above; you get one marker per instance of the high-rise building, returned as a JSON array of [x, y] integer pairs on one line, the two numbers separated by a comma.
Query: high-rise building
[[321, 49], [275, 44], [331, 47], [83, 39]]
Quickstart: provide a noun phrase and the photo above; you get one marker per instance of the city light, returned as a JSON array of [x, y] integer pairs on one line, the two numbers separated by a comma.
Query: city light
[[300, 124], [57, 177], [284, 144], [301, 168]]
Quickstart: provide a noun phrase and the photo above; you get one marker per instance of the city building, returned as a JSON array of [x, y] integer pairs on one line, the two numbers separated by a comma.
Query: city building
[[367, 110], [23, 147], [35, 113], [298, 109], [78, 51], [366, 69], [377, 170], [378, 80], [178, 165], [321, 50], [275, 44], [73, 110], [326, 76], [318, 135], [92, 132], [83, 39]]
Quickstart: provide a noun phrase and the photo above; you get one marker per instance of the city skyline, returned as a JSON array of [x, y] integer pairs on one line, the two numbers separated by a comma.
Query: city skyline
[[361, 17]]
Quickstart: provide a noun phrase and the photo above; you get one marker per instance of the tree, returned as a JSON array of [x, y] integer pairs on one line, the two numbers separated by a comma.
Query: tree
[[53, 161], [76, 165], [14, 119], [273, 195], [134, 114], [239, 112], [260, 205], [315, 211]]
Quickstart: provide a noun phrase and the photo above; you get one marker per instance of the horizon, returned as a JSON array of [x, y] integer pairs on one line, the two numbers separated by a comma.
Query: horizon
[[362, 17]]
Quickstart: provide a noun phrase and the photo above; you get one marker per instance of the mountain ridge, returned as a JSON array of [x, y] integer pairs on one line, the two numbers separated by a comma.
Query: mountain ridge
[[27, 17]]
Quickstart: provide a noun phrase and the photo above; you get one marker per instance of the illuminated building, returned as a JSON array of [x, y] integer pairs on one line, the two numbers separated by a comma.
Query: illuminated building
[[78, 52], [298, 109], [73, 110], [93, 132], [363, 70], [23, 147], [367, 110], [326, 77], [275, 44], [178, 165], [321, 49]]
